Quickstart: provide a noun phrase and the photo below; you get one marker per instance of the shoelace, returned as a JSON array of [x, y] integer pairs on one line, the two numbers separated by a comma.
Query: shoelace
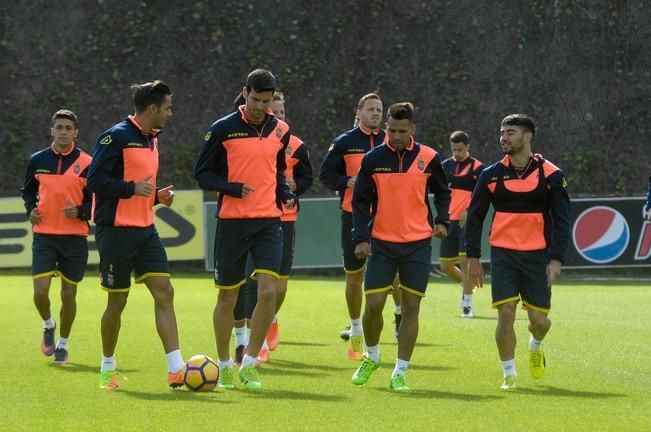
[[366, 364]]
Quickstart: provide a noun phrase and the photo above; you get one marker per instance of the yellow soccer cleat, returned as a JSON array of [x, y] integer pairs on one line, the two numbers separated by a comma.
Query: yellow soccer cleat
[[537, 363]]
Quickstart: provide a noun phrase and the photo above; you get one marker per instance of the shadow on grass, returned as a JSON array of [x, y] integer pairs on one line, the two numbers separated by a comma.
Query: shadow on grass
[[297, 365], [292, 395], [177, 395], [389, 366], [291, 343], [84, 368], [437, 394], [563, 392]]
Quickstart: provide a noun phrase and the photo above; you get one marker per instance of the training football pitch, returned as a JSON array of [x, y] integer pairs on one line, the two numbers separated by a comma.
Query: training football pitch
[[598, 365]]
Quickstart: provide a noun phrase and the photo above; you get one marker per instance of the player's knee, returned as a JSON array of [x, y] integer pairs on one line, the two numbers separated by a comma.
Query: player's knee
[[539, 323], [116, 304], [506, 312], [266, 294], [164, 294], [68, 292]]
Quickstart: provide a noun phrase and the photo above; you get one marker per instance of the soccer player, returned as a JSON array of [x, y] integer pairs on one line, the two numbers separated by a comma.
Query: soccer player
[[123, 178], [393, 227], [298, 175], [646, 210], [58, 207], [339, 173], [529, 236], [462, 171], [243, 158]]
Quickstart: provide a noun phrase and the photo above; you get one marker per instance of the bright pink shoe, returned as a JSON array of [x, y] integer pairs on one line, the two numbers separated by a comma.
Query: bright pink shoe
[[273, 337]]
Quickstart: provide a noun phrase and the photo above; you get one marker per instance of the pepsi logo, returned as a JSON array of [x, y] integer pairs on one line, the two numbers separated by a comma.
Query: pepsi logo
[[601, 234]]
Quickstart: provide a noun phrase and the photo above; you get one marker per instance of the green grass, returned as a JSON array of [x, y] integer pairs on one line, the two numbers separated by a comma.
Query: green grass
[[598, 376]]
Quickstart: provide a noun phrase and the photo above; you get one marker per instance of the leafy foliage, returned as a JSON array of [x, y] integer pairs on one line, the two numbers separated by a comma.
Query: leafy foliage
[[581, 68]]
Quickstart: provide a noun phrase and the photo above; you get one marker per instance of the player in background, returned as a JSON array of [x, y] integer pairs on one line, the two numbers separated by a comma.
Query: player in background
[[58, 207], [462, 171], [393, 226], [529, 235], [338, 173], [123, 177]]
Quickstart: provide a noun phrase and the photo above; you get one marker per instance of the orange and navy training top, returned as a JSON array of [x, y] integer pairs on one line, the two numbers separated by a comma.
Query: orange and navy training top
[[124, 155], [297, 159], [54, 180], [462, 177], [236, 152], [390, 195], [532, 208], [344, 158]]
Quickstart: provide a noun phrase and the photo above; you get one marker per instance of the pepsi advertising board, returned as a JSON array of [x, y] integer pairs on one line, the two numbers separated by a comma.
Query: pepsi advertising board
[[609, 232]]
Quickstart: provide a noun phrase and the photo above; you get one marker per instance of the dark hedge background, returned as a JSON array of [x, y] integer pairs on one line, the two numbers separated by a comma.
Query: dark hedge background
[[581, 68]]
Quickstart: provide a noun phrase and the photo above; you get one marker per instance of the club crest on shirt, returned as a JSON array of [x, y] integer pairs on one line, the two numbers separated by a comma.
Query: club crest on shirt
[[421, 163], [76, 168], [279, 132], [288, 151]]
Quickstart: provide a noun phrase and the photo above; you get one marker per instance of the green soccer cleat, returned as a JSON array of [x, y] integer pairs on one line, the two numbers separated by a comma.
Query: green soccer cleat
[[225, 379], [250, 378], [108, 380], [537, 363], [398, 384], [509, 382], [364, 371]]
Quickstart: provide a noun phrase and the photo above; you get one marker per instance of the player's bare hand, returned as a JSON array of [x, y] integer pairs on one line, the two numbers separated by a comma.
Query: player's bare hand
[[246, 190], [144, 188], [290, 203], [291, 183], [362, 250], [35, 216], [441, 231], [70, 210], [351, 182], [166, 195], [553, 270], [475, 272]]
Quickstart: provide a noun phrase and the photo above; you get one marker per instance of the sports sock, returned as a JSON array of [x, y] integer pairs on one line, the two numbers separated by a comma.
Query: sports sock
[[48, 323], [62, 343], [108, 363], [265, 345], [240, 337], [275, 319], [225, 364], [373, 353], [248, 360], [534, 344], [174, 361], [401, 368], [466, 301], [397, 310], [356, 327], [508, 366]]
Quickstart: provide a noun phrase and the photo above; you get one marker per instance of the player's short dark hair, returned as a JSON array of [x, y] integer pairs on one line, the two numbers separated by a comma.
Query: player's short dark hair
[[261, 80], [66, 114], [149, 93], [401, 111], [460, 137], [521, 120], [366, 97]]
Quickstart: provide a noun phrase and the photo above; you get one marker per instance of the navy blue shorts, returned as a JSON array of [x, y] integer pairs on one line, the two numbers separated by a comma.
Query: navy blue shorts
[[454, 245], [123, 250], [289, 244], [412, 260], [235, 238], [352, 264], [519, 275], [247, 296], [63, 255]]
